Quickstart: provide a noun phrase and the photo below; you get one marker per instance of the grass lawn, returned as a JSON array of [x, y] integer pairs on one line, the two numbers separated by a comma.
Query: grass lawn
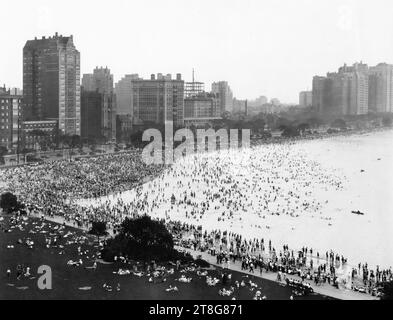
[[69, 281]]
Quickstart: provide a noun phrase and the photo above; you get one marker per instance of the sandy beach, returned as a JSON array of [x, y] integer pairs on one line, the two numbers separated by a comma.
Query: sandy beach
[[317, 185]]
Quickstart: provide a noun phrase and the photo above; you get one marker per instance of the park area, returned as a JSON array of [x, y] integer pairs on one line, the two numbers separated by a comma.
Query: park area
[[77, 272]]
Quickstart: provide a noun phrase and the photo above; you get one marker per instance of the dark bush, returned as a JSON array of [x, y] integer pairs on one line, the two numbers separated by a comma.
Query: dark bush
[[9, 202], [141, 239], [98, 229], [387, 291]]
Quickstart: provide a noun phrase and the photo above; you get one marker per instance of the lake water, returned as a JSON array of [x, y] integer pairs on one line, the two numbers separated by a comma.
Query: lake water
[[301, 194]]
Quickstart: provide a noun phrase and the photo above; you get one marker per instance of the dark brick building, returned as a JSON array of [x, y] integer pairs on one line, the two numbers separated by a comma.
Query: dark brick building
[[51, 82]]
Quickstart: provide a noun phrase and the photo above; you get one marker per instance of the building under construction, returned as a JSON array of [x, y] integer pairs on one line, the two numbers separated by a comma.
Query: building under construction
[[194, 88]]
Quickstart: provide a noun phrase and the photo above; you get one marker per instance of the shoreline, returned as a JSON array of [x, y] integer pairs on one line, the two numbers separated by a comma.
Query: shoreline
[[253, 143], [320, 136]]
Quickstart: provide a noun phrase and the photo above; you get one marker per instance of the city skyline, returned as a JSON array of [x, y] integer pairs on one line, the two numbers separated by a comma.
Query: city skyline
[[207, 151], [256, 56]]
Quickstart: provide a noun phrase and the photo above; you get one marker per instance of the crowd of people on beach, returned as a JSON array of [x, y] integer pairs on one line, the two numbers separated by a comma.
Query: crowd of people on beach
[[197, 198], [259, 257], [51, 187]]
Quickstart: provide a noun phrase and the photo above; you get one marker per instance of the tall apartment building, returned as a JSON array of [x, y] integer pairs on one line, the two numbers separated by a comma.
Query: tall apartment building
[[381, 88], [305, 99], [342, 93], [358, 83], [10, 119], [318, 93], [226, 96], [101, 79], [159, 100], [98, 106], [123, 90], [51, 82], [97, 115]]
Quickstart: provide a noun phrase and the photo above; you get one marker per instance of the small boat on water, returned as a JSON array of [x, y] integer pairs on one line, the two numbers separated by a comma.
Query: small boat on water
[[358, 213]]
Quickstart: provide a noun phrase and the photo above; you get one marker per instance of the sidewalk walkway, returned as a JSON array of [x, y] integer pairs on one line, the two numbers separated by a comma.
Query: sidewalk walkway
[[324, 289]]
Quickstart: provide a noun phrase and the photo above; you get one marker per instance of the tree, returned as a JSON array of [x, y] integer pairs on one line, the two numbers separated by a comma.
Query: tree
[[387, 291], [147, 232], [141, 238], [387, 121], [303, 127], [282, 123], [56, 137], [76, 141], [216, 123], [257, 125], [98, 229], [3, 152], [64, 140], [9, 202], [136, 139], [315, 122], [339, 124], [226, 115], [290, 132], [271, 121]]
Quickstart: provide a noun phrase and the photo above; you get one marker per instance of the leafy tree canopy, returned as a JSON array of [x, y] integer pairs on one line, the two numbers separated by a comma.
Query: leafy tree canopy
[[98, 229], [9, 202], [141, 238]]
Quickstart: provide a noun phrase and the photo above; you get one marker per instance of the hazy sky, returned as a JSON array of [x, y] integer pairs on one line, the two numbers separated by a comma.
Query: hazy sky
[[261, 47]]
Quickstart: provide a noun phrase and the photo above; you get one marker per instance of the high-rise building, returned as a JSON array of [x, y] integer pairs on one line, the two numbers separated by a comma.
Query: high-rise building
[[51, 82], [305, 99], [98, 116], [10, 119], [358, 83], [344, 92], [381, 88], [101, 79], [124, 127], [88, 82], [338, 99], [98, 106], [159, 100], [225, 94], [331, 95], [318, 93], [123, 90]]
